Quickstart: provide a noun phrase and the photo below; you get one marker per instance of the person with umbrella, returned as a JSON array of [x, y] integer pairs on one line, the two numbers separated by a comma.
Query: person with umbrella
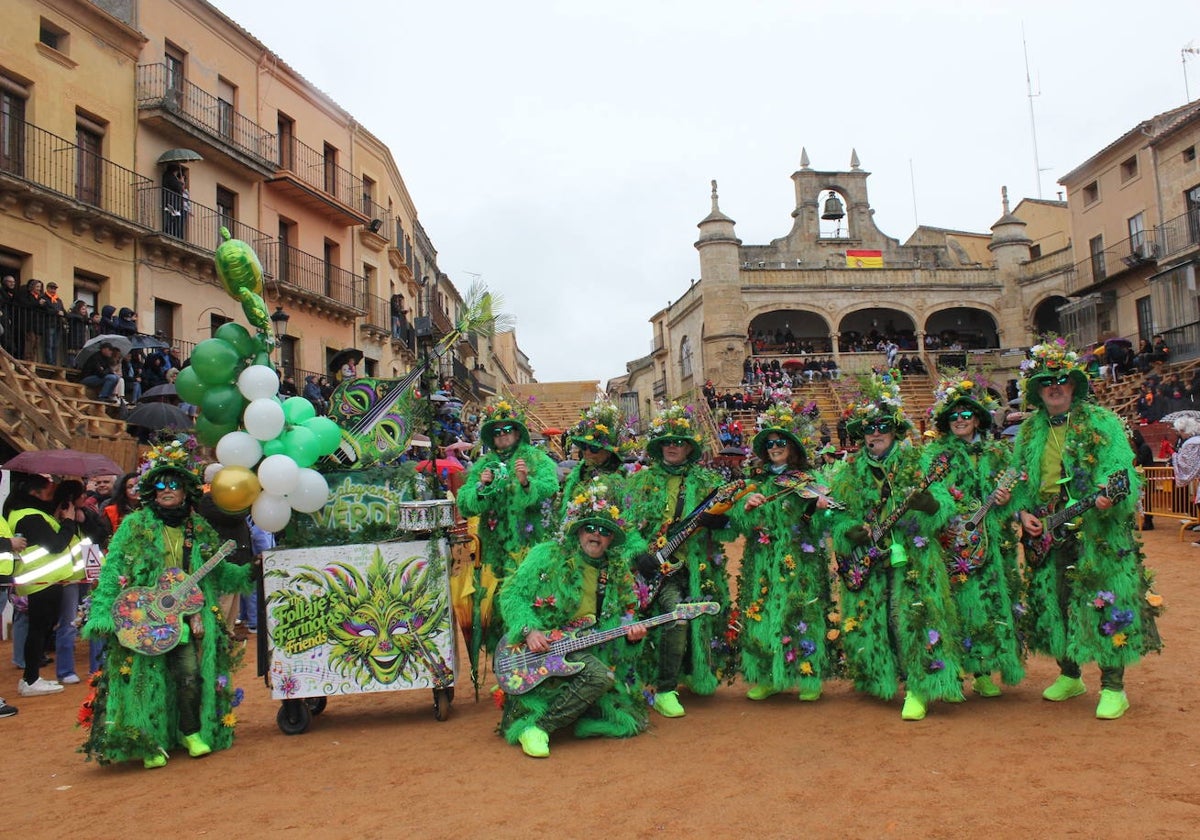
[[100, 370]]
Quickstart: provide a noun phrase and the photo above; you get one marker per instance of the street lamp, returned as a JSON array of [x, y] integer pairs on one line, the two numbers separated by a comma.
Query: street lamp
[[279, 322]]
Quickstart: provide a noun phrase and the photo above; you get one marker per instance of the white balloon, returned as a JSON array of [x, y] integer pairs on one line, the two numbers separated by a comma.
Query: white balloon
[[271, 512], [278, 474], [257, 382], [263, 418], [310, 493], [210, 472], [238, 449]]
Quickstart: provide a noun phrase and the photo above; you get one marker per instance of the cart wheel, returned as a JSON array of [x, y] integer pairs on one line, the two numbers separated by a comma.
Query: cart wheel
[[442, 698], [316, 705], [293, 717]]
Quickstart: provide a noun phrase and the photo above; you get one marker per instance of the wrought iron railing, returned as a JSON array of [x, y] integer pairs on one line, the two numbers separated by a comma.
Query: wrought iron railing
[[60, 166], [1184, 341], [217, 118], [379, 317], [1178, 234], [199, 226], [374, 210], [313, 275], [312, 167]]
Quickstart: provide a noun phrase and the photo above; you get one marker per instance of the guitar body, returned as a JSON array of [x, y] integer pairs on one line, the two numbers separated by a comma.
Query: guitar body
[[1057, 525], [965, 544], [148, 619], [520, 670], [373, 415]]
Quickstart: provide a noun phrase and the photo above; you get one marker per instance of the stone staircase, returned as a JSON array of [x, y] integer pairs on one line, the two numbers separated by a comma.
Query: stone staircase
[[553, 405]]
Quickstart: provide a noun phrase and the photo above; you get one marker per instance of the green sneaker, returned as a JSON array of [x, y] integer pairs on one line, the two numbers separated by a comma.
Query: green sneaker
[[666, 703], [155, 761], [810, 695], [195, 746], [914, 707], [1112, 704], [984, 687], [535, 742], [760, 692], [1064, 688]]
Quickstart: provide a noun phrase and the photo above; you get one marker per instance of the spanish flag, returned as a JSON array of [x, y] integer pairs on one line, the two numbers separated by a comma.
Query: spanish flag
[[864, 259]]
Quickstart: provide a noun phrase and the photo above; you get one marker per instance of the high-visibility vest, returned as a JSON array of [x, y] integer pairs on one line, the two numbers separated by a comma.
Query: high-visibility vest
[[6, 557], [38, 567]]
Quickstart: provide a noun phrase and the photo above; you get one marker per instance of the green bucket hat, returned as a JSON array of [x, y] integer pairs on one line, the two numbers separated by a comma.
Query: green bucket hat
[[174, 458], [675, 424], [1048, 361], [955, 389], [794, 423], [602, 425], [879, 400], [502, 413], [593, 504]]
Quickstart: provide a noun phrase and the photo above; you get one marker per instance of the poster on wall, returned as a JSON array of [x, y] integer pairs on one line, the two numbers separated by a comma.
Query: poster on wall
[[358, 618]]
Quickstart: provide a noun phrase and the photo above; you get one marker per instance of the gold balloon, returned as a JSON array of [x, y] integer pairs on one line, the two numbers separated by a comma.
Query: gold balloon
[[234, 489]]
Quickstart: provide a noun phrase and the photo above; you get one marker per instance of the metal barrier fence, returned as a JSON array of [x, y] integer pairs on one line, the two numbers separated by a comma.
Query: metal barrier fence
[[1163, 496]]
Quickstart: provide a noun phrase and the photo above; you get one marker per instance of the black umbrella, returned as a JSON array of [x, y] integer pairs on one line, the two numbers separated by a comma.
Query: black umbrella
[[350, 354], [159, 415], [118, 342], [160, 393], [147, 342], [734, 451]]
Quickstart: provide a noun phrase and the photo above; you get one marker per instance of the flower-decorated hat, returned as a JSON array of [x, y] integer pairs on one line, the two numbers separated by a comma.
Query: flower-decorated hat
[[879, 399], [601, 424], [1050, 360], [177, 459], [675, 424], [593, 504], [790, 421], [502, 413], [962, 389]]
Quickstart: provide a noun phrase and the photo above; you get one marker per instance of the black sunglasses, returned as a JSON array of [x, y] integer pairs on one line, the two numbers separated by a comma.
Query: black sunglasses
[[504, 430], [591, 447], [168, 484], [965, 414], [598, 529], [775, 443], [880, 427]]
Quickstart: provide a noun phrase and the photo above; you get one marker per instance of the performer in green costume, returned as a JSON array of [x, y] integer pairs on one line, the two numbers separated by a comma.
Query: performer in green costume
[[1089, 598], [984, 579], [784, 593], [559, 583], [143, 706], [897, 615], [602, 437], [511, 489], [656, 498]]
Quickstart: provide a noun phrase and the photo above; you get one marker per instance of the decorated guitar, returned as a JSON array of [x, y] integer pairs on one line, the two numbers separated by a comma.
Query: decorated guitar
[[1055, 524], [855, 567], [965, 542], [519, 670], [656, 565], [148, 619]]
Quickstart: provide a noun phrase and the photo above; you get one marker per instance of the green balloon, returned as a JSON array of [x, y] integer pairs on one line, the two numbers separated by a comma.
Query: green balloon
[[215, 361], [274, 447], [222, 404], [239, 337], [209, 433], [301, 444], [264, 358], [189, 386], [297, 409], [329, 435]]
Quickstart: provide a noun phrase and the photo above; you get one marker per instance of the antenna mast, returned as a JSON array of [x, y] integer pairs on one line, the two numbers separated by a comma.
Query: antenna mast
[[1037, 166], [1187, 50]]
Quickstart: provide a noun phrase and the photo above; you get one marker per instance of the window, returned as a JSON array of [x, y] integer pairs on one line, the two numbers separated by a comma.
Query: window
[[87, 288], [164, 317], [1129, 169], [1145, 317], [287, 354], [173, 60], [12, 125], [1096, 249], [227, 209], [285, 127], [287, 234], [89, 161], [1191, 199], [331, 257], [331, 167], [226, 99], [1091, 193], [1137, 233], [369, 277], [1189, 154], [685, 357], [216, 321], [368, 196], [1035, 251], [53, 36]]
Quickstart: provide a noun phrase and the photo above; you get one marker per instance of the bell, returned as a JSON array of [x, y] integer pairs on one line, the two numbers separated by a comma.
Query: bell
[[833, 208]]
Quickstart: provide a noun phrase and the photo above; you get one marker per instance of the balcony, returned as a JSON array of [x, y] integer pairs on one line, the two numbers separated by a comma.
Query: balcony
[[196, 230], [51, 174], [1128, 255], [442, 324], [486, 384], [378, 322], [660, 389], [313, 283], [185, 113], [1179, 235], [315, 181]]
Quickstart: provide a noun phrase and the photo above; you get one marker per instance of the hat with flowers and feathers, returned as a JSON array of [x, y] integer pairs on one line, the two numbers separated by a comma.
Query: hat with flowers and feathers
[[966, 389], [176, 458], [502, 413], [791, 421], [1048, 361], [675, 424], [879, 399], [601, 424], [594, 504]]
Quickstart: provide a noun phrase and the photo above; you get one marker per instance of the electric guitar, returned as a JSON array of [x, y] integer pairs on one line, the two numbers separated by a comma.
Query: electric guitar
[[965, 542], [148, 619], [1056, 524], [855, 568], [519, 670]]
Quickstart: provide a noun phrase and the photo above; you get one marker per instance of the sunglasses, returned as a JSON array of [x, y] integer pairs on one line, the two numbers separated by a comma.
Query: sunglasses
[[504, 430], [881, 427], [965, 414], [591, 447], [1061, 379], [168, 484], [775, 443], [598, 529]]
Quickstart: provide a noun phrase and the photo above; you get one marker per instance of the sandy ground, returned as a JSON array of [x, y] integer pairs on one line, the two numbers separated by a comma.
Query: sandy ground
[[380, 766]]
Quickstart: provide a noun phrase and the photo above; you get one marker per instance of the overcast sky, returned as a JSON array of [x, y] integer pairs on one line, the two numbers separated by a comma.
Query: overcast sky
[[563, 150]]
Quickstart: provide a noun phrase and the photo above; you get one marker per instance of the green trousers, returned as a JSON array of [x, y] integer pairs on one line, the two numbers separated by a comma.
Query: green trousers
[[579, 692], [672, 637]]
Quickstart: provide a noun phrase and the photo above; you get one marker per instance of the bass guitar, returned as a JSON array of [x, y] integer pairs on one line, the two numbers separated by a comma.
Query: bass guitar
[[519, 670], [1057, 524], [149, 619], [965, 542], [855, 568]]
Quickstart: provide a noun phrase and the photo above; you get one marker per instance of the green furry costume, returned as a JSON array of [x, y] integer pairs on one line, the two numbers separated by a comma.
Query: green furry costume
[[544, 594], [512, 518], [1108, 619], [983, 596], [133, 710], [914, 599], [645, 501]]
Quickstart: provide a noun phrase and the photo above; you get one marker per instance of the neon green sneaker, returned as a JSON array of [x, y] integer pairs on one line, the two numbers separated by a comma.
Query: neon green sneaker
[[810, 695], [984, 687], [1112, 704], [195, 746], [666, 703], [153, 762], [535, 742], [914, 707], [1064, 688], [760, 692]]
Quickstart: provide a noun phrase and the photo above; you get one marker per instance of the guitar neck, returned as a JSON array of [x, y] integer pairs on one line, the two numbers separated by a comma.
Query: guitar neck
[[602, 636], [227, 548], [1071, 511], [878, 532], [692, 523]]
